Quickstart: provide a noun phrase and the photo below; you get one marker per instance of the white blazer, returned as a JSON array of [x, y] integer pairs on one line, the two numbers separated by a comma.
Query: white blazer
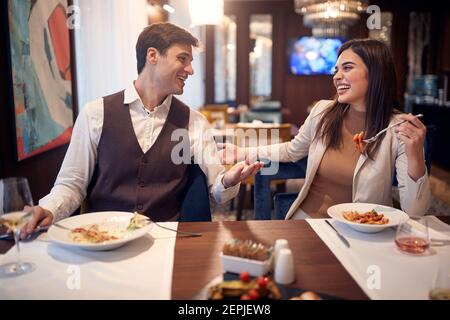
[[372, 179]]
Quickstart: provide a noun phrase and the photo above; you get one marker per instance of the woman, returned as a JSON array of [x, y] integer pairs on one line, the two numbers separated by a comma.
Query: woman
[[337, 172]]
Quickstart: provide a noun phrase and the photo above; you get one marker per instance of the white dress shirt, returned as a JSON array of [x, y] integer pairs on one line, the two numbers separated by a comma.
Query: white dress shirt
[[79, 163]]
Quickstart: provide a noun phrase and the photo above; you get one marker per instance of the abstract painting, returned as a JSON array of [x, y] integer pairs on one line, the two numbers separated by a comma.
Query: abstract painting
[[41, 74]]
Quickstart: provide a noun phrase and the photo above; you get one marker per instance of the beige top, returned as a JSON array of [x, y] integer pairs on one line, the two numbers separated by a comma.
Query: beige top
[[333, 181]]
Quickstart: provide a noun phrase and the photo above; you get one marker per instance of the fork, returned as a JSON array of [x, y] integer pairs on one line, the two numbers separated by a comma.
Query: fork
[[186, 233], [56, 224], [375, 137]]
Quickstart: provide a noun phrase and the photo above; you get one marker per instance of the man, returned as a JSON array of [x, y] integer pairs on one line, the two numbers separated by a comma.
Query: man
[[121, 152]]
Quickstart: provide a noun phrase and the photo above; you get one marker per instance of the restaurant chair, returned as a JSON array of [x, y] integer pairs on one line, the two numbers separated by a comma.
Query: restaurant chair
[[297, 170], [263, 116], [248, 134], [265, 111], [195, 199], [215, 113], [263, 192]]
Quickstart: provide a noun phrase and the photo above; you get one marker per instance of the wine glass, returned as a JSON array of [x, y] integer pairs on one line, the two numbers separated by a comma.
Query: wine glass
[[412, 235], [14, 196]]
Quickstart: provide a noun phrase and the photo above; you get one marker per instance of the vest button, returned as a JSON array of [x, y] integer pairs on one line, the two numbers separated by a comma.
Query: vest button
[[139, 206], [144, 160]]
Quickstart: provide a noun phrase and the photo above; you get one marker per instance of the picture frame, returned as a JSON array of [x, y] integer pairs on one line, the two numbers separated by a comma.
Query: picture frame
[[43, 80]]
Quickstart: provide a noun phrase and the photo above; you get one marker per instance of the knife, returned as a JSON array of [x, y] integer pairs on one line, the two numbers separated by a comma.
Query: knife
[[345, 241]]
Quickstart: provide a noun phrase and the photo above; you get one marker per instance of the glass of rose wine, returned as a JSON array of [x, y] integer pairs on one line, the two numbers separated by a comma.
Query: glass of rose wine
[[15, 196], [412, 236]]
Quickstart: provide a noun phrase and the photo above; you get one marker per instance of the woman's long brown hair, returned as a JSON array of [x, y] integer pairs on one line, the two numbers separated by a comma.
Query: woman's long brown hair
[[380, 96]]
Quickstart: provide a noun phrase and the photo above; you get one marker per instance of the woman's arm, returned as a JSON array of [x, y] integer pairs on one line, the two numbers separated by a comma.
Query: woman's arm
[[413, 184], [413, 133], [298, 147], [291, 151]]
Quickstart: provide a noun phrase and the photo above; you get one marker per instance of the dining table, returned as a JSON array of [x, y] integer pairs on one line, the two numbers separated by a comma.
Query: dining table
[[196, 259], [316, 268]]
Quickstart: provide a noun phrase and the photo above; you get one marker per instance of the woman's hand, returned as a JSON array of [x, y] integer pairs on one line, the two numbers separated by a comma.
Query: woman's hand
[[413, 133], [230, 153]]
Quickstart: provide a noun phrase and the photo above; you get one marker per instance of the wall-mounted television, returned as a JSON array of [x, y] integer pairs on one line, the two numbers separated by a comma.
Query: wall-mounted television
[[309, 55]]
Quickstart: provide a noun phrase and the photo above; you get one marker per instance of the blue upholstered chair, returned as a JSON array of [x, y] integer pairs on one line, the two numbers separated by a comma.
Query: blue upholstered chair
[[195, 198], [262, 195], [283, 201]]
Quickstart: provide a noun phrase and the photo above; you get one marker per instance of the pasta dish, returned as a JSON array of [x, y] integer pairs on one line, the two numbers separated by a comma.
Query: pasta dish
[[370, 217], [108, 230], [92, 234]]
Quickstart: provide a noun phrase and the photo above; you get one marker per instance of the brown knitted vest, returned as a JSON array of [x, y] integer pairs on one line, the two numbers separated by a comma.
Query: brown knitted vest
[[125, 178]]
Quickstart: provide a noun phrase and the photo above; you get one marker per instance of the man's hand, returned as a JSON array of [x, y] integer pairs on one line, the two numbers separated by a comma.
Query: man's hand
[[41, 217], [239, 172]]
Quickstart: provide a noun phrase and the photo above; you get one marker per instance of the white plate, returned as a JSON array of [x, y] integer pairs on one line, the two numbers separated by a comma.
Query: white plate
[[395, 216], [114, 220]]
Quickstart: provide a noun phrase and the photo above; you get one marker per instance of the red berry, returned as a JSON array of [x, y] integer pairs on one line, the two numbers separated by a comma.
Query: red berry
[[254, 294], [262, 282], [245, 297], [244, 276]]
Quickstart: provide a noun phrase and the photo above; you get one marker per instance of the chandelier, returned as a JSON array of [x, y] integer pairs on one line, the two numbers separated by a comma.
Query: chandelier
[[330, 18]]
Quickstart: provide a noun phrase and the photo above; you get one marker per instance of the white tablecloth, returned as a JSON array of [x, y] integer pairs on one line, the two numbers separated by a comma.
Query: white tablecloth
[[142, 269], [379, 268]]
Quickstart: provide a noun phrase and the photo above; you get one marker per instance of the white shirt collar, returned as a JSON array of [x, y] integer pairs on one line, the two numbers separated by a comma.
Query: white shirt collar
[[131, 95]]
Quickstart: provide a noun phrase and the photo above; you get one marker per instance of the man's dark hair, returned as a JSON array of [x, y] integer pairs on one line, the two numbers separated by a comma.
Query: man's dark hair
[[161, 36]]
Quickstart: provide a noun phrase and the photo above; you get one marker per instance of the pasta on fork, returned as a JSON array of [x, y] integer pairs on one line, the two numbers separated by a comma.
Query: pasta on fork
[[358, 140]]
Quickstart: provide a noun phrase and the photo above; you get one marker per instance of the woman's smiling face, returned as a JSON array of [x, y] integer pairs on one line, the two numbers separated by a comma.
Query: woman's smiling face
[[351, 79]]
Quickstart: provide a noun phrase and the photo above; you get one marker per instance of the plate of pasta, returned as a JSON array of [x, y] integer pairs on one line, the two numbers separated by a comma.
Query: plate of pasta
[[367, 217], [98, 231]]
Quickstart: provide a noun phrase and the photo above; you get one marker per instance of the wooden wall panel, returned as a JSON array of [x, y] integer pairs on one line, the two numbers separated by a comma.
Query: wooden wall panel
[[209, 64], [296, 93], [439, 58]]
